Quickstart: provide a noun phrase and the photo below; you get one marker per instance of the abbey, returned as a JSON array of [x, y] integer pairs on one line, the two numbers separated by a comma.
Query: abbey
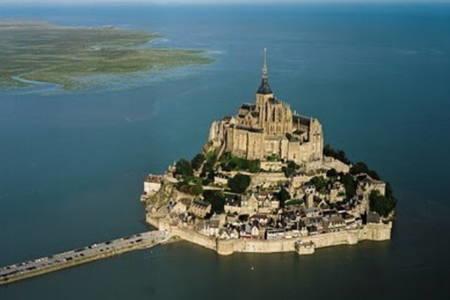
[[268, 128]]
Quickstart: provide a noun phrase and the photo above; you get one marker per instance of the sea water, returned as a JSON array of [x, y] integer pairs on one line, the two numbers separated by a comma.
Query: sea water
[[377, 77]]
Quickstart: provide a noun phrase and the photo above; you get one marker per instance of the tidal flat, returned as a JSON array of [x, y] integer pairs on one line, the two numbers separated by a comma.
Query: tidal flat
[[63, 55]]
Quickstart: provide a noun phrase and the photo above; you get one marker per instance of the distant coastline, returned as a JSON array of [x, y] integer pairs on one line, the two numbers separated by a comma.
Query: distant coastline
[[35, 52]]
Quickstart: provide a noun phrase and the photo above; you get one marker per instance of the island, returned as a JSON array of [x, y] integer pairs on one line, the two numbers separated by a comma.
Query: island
[[74, 57], [265, 182]]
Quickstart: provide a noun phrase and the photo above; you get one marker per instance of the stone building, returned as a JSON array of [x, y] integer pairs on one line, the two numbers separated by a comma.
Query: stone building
[[200, 208], [268, 127]]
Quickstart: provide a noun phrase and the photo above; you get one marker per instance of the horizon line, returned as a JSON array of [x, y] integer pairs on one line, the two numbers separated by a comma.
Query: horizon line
[[222, 3]]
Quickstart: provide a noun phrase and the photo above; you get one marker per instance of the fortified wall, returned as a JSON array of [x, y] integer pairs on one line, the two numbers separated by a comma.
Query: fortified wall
[[369, 232]]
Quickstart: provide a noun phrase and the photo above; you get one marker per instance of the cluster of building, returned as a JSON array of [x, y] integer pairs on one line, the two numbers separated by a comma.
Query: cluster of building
[[258, 213]]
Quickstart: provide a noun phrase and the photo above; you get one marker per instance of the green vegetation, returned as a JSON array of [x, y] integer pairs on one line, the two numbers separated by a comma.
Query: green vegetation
[[273, 157], [183, 168], [383, 205], [239, 183], [217, 200], [320, 183], [337, 154], [294, 202], [230, 162], [349, 184], [332, 173], [64, 55], [290, 169], [197, 161], [208, 171], [361, 167], [282, 196], [189, 188]]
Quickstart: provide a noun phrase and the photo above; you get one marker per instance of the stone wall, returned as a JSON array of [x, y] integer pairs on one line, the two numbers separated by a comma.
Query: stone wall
[[371, 232], [194, 237], [268, 178]]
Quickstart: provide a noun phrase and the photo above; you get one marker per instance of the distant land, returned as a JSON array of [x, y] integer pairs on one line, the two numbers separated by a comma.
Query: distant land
[[44, 52]]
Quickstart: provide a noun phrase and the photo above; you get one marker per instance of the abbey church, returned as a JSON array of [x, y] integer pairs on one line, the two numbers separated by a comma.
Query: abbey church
[[268, 128]]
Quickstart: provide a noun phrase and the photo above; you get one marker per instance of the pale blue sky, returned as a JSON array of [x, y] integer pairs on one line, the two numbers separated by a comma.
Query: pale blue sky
[[212, 1]]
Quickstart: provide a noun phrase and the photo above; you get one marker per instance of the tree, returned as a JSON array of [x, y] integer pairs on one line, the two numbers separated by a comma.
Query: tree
[[239, 183], [208, 167], [332, 173], [337, 154], [282, 196], [290, 169], [197, 161], [230, 162], [217, 200], [190, 188], [383, 205], [183, 168], [361, 167], [254, 166], [349, 184], [273, 157], [320, 183]]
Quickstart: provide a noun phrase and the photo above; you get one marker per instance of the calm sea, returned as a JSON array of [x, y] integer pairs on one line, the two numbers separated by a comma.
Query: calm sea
[[378, 77]]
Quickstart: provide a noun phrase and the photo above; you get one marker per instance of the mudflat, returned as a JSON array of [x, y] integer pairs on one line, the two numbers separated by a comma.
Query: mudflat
[[44, 52]]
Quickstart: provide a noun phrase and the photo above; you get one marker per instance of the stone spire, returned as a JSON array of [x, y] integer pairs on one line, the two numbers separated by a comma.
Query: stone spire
[[265, 72], [264, 88]]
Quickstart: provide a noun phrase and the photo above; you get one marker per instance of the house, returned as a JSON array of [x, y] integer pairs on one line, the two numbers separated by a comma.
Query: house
[[255, 231], [234, 234], [250, 204], [309, 189], [220, 180], [181, 206], [275, 233], [213, 228], [152, 184], [224, 235], [337, 192], [336, 222], [312, 212], [200, 208]]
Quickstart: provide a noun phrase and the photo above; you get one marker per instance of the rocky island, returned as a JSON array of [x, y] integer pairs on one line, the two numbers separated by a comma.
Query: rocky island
[[265, 182]]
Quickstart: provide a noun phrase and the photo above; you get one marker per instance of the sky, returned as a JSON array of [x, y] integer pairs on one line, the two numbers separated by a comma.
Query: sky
[[73, 2]]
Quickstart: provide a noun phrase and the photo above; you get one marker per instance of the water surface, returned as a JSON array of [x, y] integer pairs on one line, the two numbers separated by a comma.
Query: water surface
[[72, 164]]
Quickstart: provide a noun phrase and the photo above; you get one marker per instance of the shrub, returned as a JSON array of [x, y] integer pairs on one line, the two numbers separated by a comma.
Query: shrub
[[361, 167], [230, 162], [183, 168], [383, 205], [217, 200], [332, 173], [273, 157], [197, 161], [282, 196], [320, 183], [349, 184], [188, 188], [239, 183], [337, 154], [290, 169]]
